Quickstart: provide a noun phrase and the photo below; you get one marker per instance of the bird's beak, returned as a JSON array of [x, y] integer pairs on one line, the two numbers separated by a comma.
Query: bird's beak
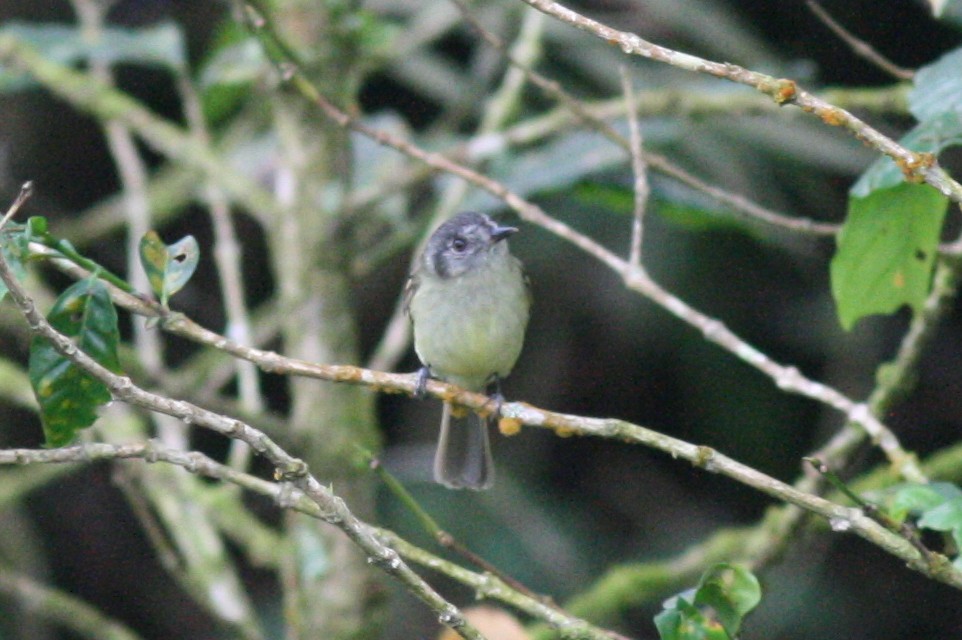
[[500, 233]]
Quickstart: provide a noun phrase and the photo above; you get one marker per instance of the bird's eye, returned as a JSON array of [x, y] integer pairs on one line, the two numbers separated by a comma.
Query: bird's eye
[[459, 244]]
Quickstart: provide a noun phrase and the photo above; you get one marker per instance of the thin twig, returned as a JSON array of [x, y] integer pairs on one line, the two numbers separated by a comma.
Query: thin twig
[[917, 166], [26, 190], [591, 118], [504, 101], [859, 46], [334, 510], [227, 256], [444, 538], [786, 377], [638, 168], [288, 497], [872, 510]]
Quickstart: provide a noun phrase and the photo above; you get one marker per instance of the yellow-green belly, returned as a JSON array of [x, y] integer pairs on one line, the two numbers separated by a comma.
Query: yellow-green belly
[[481, 334]]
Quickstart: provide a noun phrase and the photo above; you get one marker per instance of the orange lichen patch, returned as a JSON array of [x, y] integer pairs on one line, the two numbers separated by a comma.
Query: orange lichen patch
[[448, 396], [784, 91], [491, 407], [833, 117], [704, 456], [564, 432], [898, 280], [926, 159], [911, 168], [346, 374], [458, 412], [509, 426], [381, 389]]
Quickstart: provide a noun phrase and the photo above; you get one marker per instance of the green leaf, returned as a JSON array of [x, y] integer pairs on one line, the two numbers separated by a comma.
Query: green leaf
[[945, 517], [168, 267], [937, 506], [241, 62], [235, 60], [681, 620], [14, 252], [714, 610], [949, 11], [673, 201], [931, 136], [68, 396], [919, 498], [934, 101], [886, 251], [937, 87], [162, 44], [37, 226], [731, 591]]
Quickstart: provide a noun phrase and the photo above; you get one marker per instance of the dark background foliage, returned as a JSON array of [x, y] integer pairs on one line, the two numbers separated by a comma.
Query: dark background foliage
[[564, 510]]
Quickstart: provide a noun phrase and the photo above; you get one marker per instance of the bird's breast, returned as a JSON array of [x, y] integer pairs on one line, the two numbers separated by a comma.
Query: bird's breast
[[472, 326]]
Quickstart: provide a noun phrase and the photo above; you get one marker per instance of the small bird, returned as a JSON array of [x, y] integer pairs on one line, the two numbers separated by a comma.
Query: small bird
[[468, 300]]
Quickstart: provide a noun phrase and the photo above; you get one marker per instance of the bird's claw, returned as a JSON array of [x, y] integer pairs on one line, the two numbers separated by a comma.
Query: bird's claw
[[421, 384]]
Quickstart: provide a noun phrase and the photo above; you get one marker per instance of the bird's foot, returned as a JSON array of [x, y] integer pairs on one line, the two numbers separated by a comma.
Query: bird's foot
[[421, 383]]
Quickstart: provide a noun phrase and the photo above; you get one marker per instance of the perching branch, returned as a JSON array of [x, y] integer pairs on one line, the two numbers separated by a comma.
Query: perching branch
[[700, 456], [290, 469], [787, 378]]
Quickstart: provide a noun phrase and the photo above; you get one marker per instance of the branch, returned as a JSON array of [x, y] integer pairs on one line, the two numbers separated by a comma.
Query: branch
[[916, 166], [595, 118], [700, 456], [628, 586], [333, 510], [227, 257], [785, 377], [90, 95], [288, 497], [859, 46], [639, 167]]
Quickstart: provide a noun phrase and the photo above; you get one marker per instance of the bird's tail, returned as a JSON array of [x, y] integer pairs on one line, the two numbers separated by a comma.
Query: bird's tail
[[463, 459]]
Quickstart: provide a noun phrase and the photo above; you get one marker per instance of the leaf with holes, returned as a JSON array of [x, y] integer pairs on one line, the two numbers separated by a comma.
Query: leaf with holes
[[168, 267], [69, 396], [14, 253], [731, 592], [886, 251], [681, 620], [714, 610], [946, 517]]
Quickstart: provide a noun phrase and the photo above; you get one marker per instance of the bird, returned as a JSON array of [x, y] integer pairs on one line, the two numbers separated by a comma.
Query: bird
[[468, 300]]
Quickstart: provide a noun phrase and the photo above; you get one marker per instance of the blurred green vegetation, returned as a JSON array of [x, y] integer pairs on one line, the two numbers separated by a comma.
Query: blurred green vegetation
[[565, 511]]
